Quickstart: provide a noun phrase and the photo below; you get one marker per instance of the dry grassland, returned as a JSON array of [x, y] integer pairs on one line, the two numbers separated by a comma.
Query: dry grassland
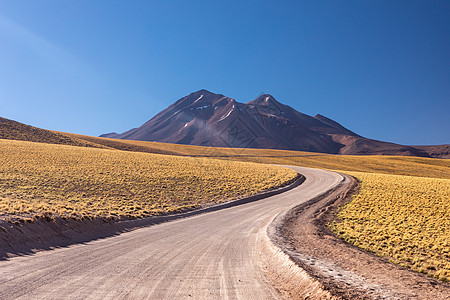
[[399, 165], [404, 218], [402, 211], [42, 180]]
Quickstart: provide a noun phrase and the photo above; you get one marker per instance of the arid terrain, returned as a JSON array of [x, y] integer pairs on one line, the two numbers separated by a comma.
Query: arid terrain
[[216, 255], [53, 188], [347, 271], [234, 150], [42, 180]]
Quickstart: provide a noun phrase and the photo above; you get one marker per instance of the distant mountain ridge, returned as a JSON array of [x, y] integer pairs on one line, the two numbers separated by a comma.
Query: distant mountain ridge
[[206, 119]]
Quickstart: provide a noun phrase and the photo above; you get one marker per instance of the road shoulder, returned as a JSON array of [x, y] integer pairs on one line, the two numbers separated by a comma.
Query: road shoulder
[[341, 269]]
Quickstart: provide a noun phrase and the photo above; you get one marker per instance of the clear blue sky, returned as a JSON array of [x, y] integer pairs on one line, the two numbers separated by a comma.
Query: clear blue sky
[[380, 68]]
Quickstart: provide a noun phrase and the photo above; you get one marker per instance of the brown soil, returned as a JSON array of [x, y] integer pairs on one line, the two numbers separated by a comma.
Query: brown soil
[[345, 270]]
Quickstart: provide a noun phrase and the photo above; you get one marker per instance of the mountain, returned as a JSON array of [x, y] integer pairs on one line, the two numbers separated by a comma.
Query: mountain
[[207, 119], [437, 151]]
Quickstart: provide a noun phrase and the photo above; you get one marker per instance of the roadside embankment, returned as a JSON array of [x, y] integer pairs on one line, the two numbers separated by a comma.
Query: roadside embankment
[[22, 238]]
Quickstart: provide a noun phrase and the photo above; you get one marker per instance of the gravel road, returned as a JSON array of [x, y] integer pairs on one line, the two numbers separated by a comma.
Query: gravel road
[[216, 255]]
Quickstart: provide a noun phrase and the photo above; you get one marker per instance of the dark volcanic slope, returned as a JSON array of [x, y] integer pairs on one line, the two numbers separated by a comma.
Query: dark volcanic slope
[[207, 119], [438, 151]]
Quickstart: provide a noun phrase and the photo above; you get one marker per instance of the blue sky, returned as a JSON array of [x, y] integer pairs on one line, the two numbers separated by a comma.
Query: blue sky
[[380, 68]]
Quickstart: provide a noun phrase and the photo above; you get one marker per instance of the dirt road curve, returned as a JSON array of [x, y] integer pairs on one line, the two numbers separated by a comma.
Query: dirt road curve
[[215, 255]]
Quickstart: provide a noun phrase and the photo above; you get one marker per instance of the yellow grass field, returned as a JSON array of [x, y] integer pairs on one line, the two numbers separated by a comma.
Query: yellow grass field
[[43, 180], [404, 218], [400, 165], [406, 198], [402, 212]]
